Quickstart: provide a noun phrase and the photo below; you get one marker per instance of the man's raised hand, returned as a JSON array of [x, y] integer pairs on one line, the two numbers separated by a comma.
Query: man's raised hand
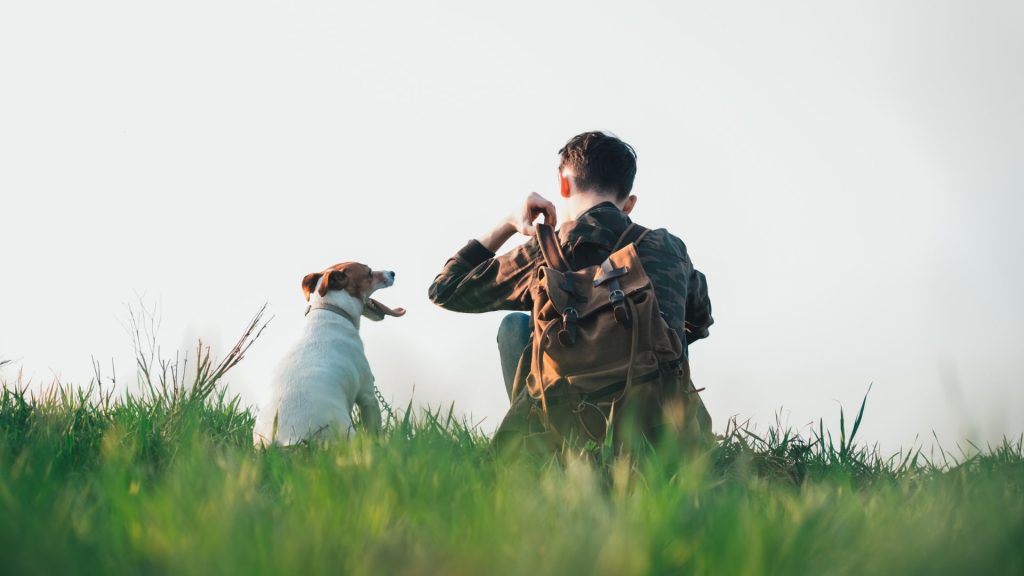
[[521, 221], [535, 205]]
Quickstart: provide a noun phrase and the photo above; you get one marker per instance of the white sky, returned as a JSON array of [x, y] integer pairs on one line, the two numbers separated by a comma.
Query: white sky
[[849, 179]]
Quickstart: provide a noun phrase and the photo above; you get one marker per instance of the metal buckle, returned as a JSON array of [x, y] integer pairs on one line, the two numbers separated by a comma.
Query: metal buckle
[[616, 296], [567, 335], [622, 316]]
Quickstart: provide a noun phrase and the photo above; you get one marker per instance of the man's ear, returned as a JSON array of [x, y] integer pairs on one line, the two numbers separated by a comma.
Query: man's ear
[[333, 280], [309, 283], [630, 204], [564, 184]]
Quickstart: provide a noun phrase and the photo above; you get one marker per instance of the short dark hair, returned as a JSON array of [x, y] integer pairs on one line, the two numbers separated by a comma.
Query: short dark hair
[[600, 161]]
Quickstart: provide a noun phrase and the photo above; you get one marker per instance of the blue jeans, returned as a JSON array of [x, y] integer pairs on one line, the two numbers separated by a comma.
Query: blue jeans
[[513, 338]]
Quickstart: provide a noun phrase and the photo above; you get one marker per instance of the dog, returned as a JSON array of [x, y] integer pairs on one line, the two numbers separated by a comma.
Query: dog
[[326, 373]]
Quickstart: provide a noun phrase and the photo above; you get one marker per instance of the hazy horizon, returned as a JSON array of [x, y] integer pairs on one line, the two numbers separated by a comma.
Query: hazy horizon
[[849, 178]]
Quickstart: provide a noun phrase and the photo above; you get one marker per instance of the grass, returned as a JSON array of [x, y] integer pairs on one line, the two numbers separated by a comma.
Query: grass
[[166, 481]]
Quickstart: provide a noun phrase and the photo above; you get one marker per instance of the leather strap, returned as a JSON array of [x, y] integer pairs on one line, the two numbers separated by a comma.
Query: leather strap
[[609, 273], [549, 246], [602, 393], [616, 296], [555, 258], [635, 340], [331, 308], [623, 313], [633, 234], [627, 385]]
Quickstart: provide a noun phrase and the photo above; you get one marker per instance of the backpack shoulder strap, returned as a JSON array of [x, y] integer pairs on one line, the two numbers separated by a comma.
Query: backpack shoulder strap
[[633, 234], [610, 275], [550, 248]]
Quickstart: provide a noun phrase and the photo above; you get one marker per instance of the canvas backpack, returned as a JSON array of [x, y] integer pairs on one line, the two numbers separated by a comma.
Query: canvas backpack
[[601, 356], [598, 331]]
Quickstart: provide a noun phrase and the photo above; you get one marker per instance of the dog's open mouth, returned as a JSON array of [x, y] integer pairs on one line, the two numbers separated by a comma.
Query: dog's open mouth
[[378, 310]]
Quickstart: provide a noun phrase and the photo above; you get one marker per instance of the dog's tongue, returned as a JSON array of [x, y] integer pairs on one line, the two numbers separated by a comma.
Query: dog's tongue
[[397, 312]]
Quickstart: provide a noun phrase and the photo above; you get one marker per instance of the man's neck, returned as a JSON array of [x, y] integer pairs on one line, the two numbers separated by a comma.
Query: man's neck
[[580, 202]]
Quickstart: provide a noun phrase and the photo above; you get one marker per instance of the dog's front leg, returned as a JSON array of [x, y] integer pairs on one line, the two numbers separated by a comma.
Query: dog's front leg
[[369, 409]]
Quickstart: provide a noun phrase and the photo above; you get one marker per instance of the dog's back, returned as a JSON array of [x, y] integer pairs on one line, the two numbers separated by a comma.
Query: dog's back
[[325, 373], [315, 384]]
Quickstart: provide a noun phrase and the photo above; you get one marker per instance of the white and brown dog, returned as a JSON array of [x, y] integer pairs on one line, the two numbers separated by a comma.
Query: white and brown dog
[[326, 372]]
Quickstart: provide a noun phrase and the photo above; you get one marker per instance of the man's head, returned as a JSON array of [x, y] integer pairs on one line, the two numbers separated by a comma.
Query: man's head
[[598, 163]]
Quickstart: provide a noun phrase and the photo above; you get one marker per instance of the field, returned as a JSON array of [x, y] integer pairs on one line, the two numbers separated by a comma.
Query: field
[[166, 481]]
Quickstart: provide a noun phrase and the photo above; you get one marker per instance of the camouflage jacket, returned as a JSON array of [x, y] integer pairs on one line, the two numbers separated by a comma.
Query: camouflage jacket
[[475, 280]]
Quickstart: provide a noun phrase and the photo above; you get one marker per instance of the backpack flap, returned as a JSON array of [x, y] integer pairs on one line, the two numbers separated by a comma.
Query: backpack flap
[[591, 294]]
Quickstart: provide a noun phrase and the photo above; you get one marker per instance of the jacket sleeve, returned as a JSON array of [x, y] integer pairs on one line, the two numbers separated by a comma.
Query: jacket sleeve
[[698, 307], [475, 280]]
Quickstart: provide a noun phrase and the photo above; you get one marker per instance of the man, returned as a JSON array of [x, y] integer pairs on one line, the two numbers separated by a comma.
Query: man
[[596, 172]]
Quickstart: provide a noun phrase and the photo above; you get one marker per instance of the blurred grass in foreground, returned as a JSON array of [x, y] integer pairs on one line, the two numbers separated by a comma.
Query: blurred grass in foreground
[[166, 481]]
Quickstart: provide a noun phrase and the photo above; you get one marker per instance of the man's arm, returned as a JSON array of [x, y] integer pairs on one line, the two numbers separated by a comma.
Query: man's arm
[[495, 239], [682, 289], [698, 307], [474, 280], [520, 221]]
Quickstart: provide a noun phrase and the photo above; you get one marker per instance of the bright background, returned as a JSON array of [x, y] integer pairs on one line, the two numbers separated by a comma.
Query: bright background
[[848, 177]]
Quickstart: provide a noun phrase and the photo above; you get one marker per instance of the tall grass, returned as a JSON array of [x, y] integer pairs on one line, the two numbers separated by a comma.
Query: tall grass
[[165, 480]]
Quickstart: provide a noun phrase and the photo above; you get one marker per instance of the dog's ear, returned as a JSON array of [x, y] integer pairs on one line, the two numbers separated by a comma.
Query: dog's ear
[[333, 280], [309, 283]]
